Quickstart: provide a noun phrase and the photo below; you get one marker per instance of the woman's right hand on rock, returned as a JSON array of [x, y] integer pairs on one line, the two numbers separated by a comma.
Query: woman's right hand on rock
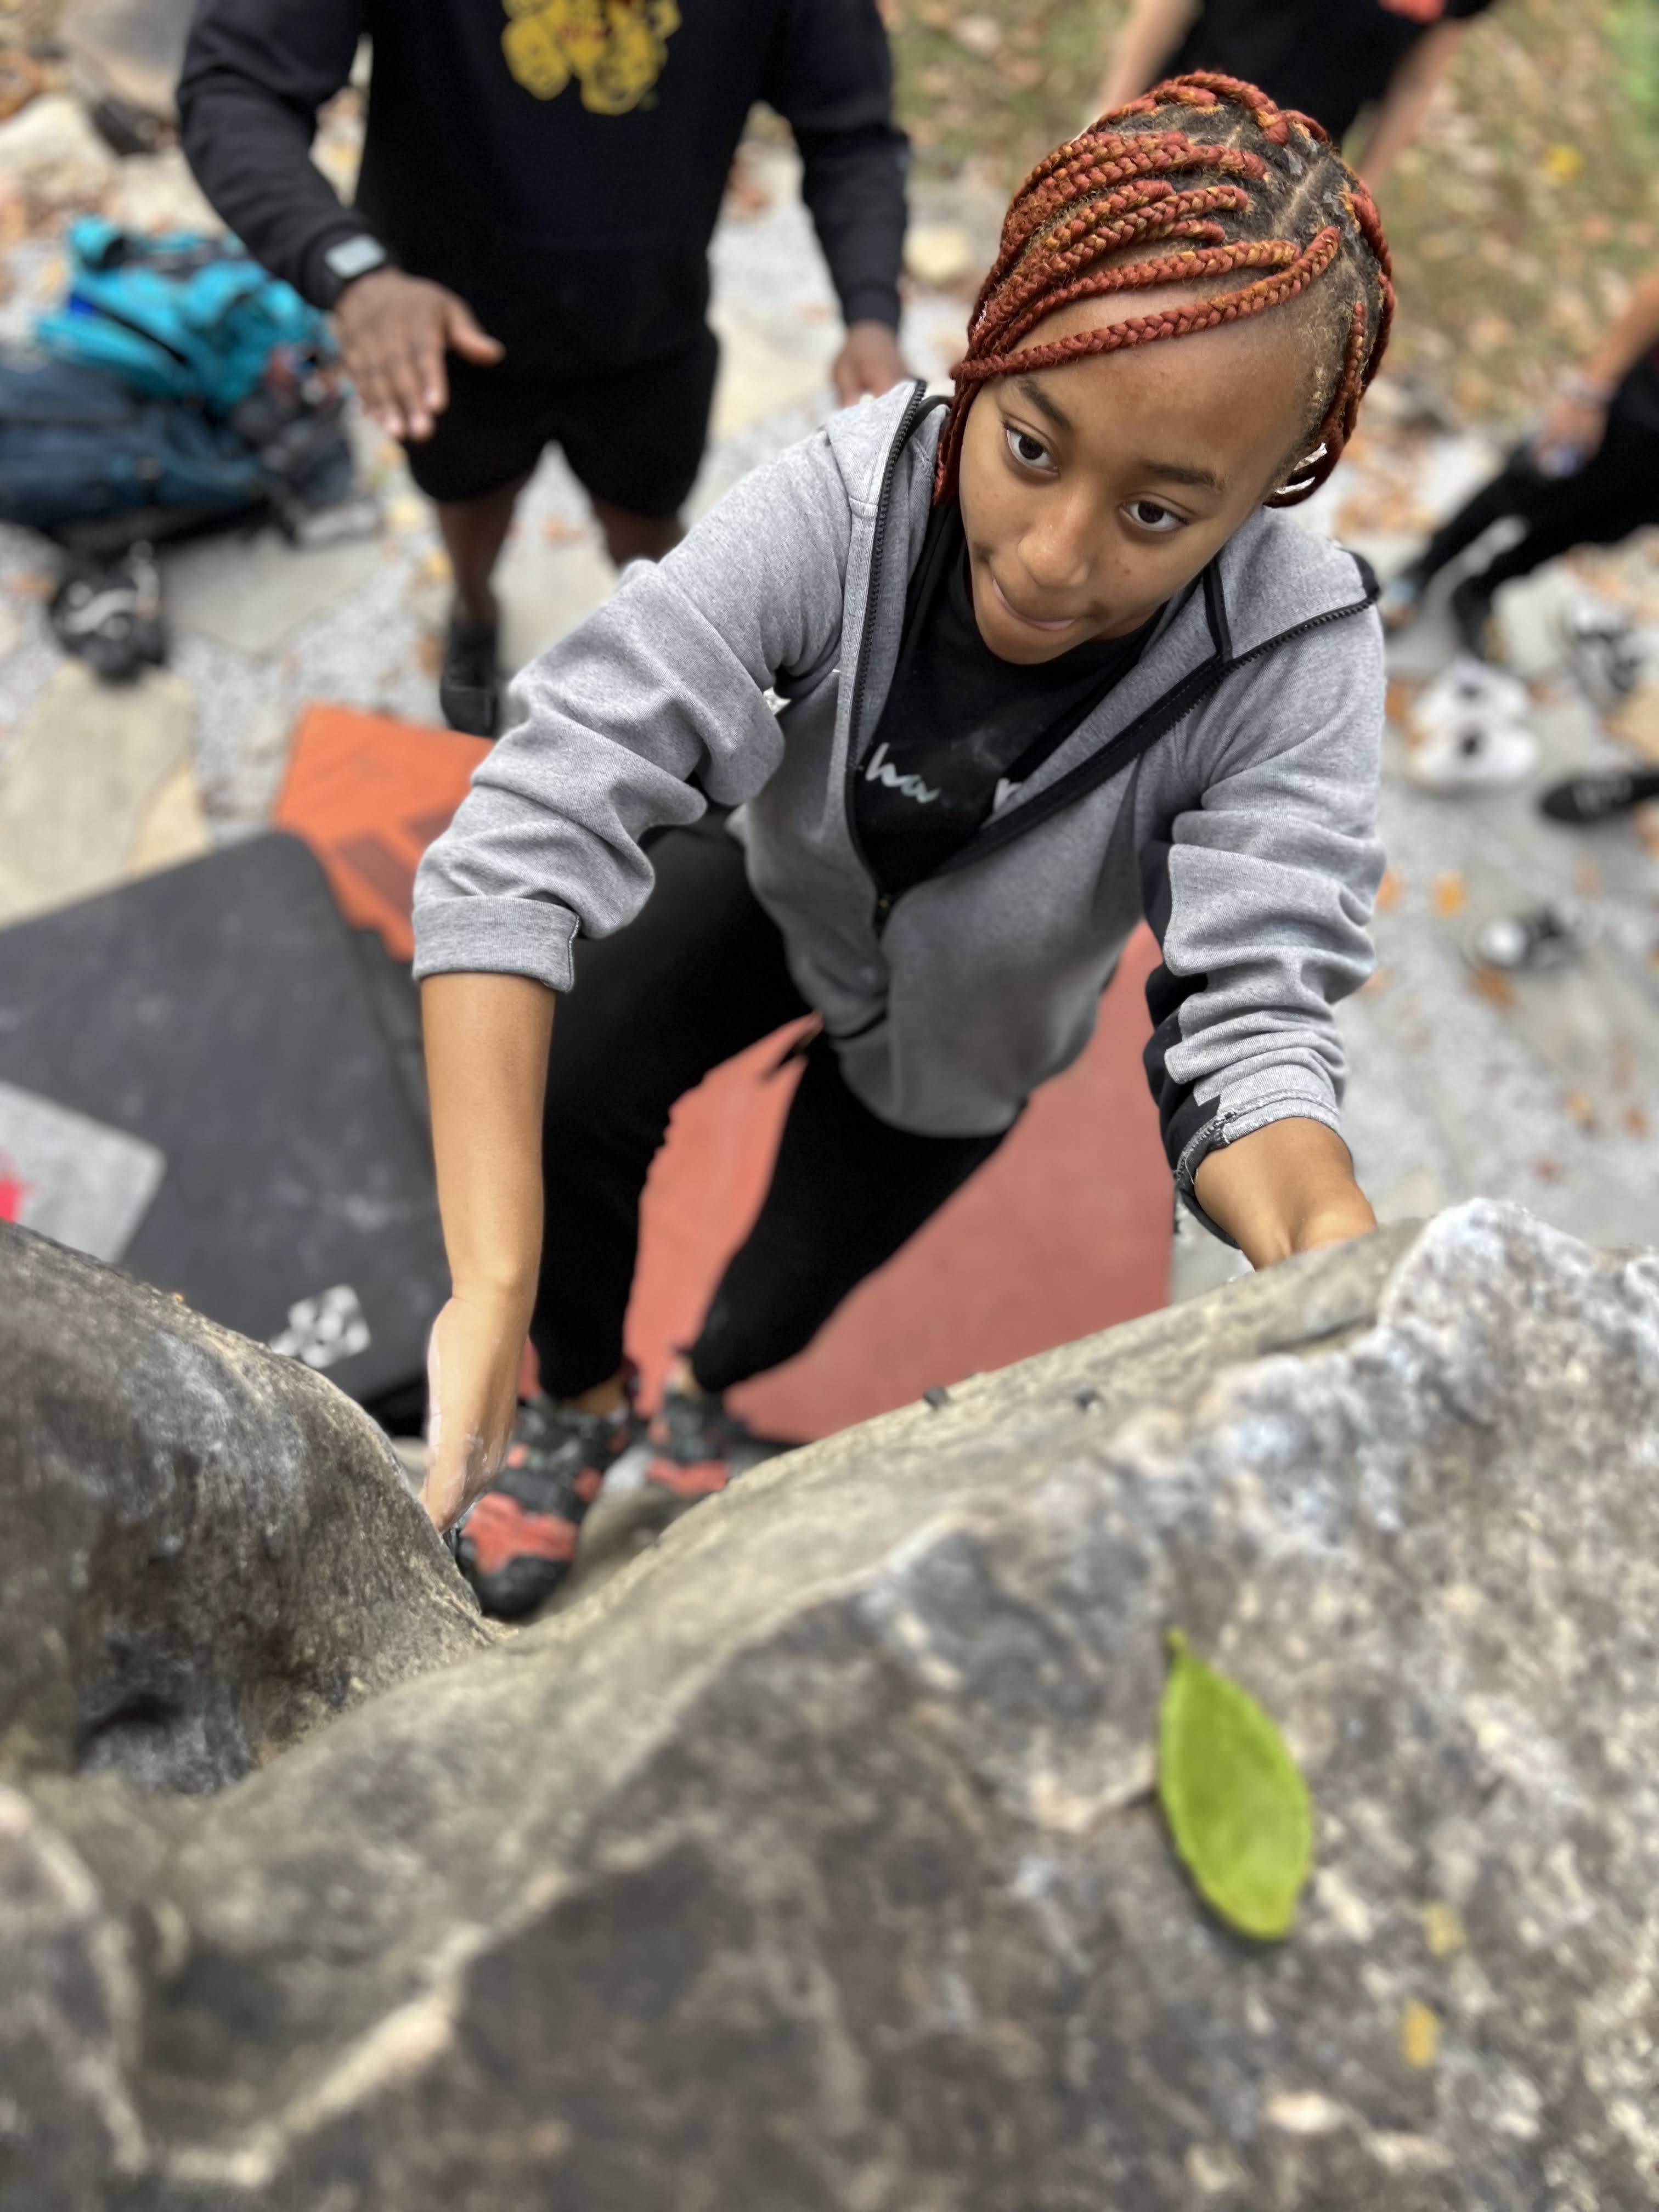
[[472, 1383]]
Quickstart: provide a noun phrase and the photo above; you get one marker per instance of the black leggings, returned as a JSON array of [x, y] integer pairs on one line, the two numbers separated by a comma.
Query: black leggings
[[699, 976], [1615, 492]]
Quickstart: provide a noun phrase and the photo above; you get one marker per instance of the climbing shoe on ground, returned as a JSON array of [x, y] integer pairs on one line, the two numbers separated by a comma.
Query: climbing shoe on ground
[[517, 1544], [470, 682], [1604, 650], [1523, 943], [1468, 686], [697, 1448], [109, 615], [1466, 731], [1480, 756], [1589, 799]]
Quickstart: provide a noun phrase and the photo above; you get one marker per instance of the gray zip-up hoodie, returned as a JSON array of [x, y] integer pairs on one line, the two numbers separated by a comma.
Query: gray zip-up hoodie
[[1225, 789]]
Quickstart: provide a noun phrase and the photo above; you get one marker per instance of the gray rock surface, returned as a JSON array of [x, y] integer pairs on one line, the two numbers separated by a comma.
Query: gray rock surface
[[811, 1865], [209, 1549]]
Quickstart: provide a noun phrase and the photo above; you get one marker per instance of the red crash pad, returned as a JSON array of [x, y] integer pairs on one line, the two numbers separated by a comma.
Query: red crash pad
[[1066, 1230]]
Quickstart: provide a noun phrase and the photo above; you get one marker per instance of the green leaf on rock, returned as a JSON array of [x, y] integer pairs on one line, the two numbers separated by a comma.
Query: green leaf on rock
[[1235, 1799]]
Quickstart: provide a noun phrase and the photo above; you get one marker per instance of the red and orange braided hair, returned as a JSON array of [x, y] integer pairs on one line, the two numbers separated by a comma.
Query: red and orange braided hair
[[1243, 185]]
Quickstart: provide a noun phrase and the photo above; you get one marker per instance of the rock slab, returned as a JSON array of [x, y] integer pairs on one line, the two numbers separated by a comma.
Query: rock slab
[[210, 1549], [811, 1865]]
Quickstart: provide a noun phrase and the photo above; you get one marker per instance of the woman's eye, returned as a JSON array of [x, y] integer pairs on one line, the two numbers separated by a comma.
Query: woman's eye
[[1029, 452], [1151, 515]]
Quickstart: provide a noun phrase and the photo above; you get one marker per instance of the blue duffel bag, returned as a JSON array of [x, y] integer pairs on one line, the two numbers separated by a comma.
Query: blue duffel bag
[[180, 316], [76, 446]]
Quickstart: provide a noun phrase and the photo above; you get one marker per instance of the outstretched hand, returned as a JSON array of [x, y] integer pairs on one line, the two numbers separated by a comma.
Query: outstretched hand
[[472, 1387], [870, 363], [394, 331], [1570, 434]]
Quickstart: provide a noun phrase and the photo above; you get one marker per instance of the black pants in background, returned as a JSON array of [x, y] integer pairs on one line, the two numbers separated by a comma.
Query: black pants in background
[[696, 978], [1615, 492]]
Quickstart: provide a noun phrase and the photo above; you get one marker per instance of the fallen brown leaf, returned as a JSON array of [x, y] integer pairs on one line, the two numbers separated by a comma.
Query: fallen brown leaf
[[1397, 702], [1492, 984], [1451, 894]]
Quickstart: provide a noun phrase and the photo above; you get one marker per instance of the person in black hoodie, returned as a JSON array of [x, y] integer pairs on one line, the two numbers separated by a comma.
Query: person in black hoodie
[[525, 262]]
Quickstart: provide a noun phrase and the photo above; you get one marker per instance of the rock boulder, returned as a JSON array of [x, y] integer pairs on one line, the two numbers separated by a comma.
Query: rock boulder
[[812, 1864], [210, 1548]]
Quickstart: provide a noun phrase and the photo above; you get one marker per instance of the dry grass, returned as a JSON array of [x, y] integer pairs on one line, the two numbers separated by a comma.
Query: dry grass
[[1516, 222]]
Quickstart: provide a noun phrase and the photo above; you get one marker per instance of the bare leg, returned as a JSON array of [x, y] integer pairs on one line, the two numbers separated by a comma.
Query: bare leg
[[636, 536], [474, 532]]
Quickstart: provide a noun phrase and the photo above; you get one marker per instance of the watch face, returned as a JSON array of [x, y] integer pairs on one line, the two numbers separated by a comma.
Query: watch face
[[355, 256]]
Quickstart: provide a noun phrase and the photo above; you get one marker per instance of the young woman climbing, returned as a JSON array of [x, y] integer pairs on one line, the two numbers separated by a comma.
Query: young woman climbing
[[1050, 662]]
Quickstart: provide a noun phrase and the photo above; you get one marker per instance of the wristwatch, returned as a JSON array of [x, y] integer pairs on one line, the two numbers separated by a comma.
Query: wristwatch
[[348, 258]]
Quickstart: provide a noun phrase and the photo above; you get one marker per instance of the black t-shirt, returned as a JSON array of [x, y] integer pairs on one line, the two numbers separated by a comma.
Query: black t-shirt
[[1329, 58], [961, 730]]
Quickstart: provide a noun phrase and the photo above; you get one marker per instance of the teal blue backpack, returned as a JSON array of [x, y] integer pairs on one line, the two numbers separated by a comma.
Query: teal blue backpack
[[180, 316]]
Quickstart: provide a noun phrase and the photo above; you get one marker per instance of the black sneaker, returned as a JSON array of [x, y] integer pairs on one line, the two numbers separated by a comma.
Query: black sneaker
[[517, 1544], [1591, 798], [1518, 944], [698, 1448], [470, 682]]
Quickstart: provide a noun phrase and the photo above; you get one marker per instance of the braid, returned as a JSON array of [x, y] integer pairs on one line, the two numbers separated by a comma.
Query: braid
[[1210, 205]]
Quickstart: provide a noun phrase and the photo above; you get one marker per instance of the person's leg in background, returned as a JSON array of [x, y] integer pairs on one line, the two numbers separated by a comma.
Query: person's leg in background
[[634, 442], [1508, 493], [636, 536], [848, 1191], [481, 452], [473, 531], [696, 978], [1615, 492], [634, 437]]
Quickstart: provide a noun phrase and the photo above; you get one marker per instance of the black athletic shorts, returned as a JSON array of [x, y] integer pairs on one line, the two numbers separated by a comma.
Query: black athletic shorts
[[634, 437]]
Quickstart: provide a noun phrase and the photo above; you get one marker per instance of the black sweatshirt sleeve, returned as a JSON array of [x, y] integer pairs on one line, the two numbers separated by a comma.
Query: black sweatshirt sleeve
[[255, 74], [831, 79]]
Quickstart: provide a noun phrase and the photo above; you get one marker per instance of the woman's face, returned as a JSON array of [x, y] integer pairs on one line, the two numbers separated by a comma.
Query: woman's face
[[1092, 491]]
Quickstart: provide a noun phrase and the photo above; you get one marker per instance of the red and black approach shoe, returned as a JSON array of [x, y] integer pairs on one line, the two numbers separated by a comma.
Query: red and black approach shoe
[[517, 1544], [697, 1448]]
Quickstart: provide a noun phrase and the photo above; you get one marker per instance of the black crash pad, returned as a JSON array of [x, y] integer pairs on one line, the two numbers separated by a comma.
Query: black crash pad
[[195, 1082]]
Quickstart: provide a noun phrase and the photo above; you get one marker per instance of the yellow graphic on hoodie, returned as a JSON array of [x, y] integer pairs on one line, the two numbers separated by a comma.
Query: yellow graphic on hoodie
[[614, 49]]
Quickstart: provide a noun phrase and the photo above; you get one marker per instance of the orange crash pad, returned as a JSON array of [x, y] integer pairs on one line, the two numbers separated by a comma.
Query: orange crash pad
[[369, 794]]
